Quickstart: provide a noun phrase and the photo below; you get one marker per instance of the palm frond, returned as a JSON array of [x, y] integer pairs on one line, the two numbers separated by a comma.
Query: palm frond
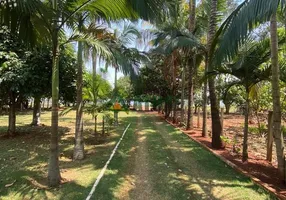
[[234, 31]]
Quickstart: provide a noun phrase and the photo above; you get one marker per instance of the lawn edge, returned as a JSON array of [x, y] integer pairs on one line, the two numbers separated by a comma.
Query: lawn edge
[[232, 165]]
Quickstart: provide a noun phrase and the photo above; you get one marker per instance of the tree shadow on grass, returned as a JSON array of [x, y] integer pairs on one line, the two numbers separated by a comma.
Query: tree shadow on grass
[[199, 168], [28, 131]]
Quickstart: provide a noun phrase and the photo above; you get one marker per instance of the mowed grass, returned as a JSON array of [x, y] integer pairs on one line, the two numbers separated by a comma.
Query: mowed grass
[[24, 158], [177, 168], [171, 166]]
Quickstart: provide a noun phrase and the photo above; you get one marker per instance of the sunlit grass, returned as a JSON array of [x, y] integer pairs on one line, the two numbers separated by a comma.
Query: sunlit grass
[[24, 158], [170, 165]]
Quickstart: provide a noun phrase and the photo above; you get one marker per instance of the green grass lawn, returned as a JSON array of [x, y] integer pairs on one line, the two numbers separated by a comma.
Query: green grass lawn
[[24, 158], [154, 161]]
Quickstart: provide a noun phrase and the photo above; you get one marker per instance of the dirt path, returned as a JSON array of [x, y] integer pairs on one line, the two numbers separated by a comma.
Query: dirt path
[[143, 182], [157, 162]]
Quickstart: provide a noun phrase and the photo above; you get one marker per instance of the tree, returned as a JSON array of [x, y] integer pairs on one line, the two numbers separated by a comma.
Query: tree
[[191, 65], [13, 72], [250, 68], [39, 73], [95, 93], [233, 33], [125, 89], [216, 122]]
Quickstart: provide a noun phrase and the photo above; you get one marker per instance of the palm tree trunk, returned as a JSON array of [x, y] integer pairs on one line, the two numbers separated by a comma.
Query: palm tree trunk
[[54, 176], [94, 79], [278, 138], [192, 23], [37, 112], [190, 125], [245, 133], [174, 99], [115, 94], [216, 122], [12, 115], [183, 97], [103, 126], [205, 100], [95, 124], [78, 153]]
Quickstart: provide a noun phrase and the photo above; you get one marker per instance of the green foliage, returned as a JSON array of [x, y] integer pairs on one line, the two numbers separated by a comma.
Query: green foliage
[[124, 88], [262, 130], [234, 31], [261, 100], [13, 73], [96, 92], [144, 84], [230, 94], [226, 139]]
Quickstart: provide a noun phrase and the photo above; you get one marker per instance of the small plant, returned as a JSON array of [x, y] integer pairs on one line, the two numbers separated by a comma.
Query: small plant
[[108, 120], [226, 139], [253, 130]]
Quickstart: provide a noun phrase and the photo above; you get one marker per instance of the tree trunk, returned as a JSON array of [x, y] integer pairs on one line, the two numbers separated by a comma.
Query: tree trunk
[[12, 115], [48, 103], [190, 125], [43, 103], [174, 112], [54, 176], [166, 110], [245, 132], [78, 153], [205, 99], [227, 108], [174, 99], [183, 97], [94, 79], [216, 122], [103, 126], [278, 138], [37, 112], [270, 137], [191, 64], [95, 124], [115, 94]]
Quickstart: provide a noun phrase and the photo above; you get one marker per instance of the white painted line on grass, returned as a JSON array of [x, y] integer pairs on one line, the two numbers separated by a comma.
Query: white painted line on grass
[[105, 166]]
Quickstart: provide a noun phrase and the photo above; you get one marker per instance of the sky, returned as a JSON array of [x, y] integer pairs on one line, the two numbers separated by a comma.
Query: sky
[[110, 74]]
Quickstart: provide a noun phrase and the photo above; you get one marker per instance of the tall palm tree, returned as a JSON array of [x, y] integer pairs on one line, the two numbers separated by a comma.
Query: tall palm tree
[[191, 65], [233, 33], [278, 137], [216, 122]]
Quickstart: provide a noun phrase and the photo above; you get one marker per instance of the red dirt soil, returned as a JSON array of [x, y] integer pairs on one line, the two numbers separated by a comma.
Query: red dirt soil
[[257, 168]]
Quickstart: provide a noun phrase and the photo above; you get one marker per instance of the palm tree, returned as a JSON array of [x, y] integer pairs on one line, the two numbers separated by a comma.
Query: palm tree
[[250, 68], [191, 65], [216, 122], [233, 33]]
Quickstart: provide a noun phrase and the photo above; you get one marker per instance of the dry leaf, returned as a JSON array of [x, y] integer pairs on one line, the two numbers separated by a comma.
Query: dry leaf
[[10, 184]]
